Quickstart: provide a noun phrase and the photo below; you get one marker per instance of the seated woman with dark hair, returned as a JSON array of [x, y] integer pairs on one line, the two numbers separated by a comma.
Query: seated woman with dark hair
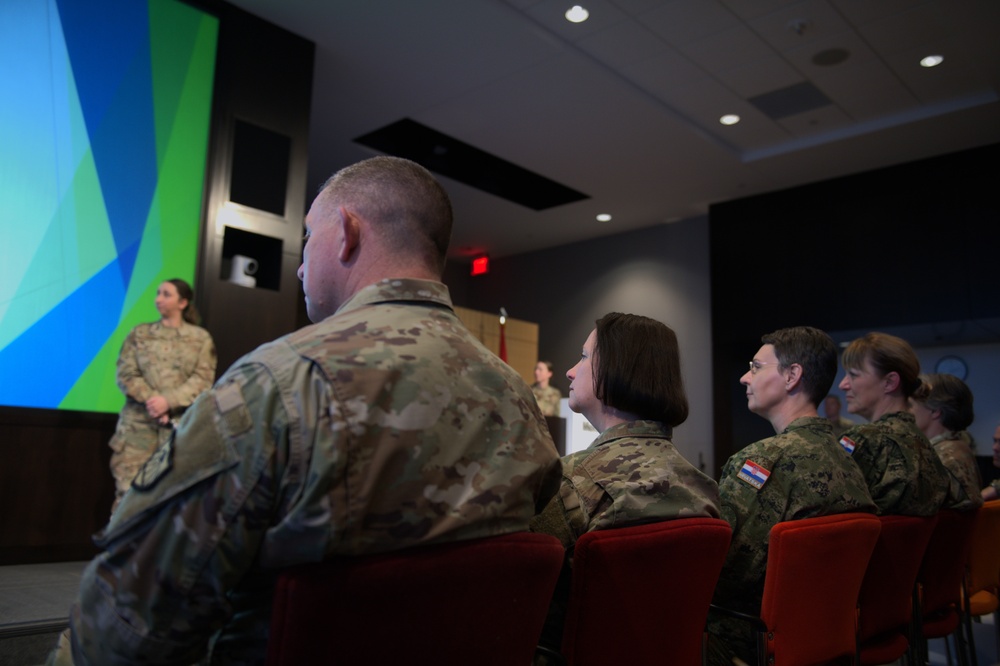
[[628, 385]]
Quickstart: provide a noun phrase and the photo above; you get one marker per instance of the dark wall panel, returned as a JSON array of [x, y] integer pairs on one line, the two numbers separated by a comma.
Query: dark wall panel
[[909, 244], [258, 158]]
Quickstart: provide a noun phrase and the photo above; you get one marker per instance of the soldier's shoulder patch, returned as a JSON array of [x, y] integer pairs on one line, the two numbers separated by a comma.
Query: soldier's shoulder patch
[[156, 467], [753, 474], [848, 444], [232, 409]]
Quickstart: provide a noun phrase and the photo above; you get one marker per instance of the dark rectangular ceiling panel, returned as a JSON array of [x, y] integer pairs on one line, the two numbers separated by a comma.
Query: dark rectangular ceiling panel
[[467, 164]]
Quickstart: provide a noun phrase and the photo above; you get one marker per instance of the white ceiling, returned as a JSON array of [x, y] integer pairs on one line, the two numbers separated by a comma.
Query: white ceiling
[[625, 106]]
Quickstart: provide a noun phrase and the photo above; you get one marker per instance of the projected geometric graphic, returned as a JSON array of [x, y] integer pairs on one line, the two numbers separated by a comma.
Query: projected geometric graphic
[[104, 132]]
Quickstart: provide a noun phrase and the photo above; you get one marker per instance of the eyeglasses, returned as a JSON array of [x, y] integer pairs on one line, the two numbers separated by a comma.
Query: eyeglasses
[[757, 365]]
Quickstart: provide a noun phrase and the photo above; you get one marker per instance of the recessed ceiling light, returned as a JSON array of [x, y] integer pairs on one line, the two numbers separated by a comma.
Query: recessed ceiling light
[[603, 217], [577, 14], [931, 61], [729, 119]]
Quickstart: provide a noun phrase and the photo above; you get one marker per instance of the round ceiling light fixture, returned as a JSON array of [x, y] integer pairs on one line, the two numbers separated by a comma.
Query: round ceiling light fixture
[[729, 119], [931, 61], [577, 14], [603, 217]]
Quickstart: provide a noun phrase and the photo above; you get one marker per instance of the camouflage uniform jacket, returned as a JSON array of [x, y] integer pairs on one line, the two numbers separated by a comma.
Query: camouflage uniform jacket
[[840, 425], [385, 426], [800, 473], [963, 473], [548, 399], [177, 363], [631, 474], [903, 473]]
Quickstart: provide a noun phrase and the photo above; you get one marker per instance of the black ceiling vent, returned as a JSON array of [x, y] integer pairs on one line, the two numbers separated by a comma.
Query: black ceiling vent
[[785, 102], [459, 161]]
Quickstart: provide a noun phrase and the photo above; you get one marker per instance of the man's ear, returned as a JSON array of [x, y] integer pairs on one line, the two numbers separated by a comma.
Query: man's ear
[[350, 234]]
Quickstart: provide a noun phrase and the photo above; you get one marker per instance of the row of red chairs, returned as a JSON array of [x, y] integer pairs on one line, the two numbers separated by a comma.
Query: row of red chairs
[[855, 586]]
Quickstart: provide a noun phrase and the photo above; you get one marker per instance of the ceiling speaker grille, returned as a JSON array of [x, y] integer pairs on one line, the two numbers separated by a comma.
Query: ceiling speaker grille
[[789, 101]]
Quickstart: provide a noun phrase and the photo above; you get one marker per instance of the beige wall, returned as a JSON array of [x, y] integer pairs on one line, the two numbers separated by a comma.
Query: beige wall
[[521, 338]]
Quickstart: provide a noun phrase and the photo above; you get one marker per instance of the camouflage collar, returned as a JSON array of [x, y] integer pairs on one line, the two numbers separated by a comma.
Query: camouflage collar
[[946, 436], [641, 428], [813, 422], [396, 290], [901, 416]]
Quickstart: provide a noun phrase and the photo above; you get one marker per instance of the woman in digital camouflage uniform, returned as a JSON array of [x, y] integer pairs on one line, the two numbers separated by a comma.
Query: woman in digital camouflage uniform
[[904, 475], [163, 366]]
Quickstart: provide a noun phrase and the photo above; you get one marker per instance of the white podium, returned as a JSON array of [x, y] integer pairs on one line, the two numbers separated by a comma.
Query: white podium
[[579, 433]]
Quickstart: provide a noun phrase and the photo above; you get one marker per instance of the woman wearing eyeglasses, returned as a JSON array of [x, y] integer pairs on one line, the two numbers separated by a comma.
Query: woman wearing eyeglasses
[[903, 473], [627, 383], [800, 472]]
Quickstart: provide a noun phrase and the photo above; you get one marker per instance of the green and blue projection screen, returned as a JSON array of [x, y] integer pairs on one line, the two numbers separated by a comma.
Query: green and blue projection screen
[[104, 121]]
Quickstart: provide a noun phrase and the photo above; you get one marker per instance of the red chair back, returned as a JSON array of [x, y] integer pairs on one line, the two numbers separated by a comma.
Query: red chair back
[[943, 569], [941, 579], [886, 600], [815, 567], [481, 601], [640, 594], [984, 560]]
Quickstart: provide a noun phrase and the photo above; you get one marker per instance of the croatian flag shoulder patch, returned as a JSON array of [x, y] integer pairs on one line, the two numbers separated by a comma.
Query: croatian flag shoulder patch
[[753, 474], [848, 444]]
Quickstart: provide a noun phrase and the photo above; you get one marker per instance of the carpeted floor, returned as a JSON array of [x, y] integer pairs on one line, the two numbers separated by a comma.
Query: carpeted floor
[[35, 601], [34, 606]]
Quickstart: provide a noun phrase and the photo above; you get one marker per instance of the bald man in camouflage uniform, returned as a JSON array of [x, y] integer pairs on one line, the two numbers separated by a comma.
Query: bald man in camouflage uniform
[[801, 472], [384, 426]]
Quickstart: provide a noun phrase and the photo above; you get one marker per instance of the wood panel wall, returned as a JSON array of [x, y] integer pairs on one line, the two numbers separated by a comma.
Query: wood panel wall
[[56, 488], [521, 338]]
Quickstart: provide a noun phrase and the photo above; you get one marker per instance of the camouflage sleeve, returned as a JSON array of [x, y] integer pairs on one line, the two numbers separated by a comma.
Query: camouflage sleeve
[[870, 456], [751, 512], [564, 516], [199, 381], [188, 531], [727, 489], [129, 376], [885, 468], [554, 519], [962, 473]]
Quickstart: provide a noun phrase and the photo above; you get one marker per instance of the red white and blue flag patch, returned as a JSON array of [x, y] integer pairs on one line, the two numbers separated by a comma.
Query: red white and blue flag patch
[[753, 474], [848, 444]]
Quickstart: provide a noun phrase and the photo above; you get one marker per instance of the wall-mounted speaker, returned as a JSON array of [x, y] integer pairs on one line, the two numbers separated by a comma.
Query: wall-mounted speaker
[[260, 168]]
